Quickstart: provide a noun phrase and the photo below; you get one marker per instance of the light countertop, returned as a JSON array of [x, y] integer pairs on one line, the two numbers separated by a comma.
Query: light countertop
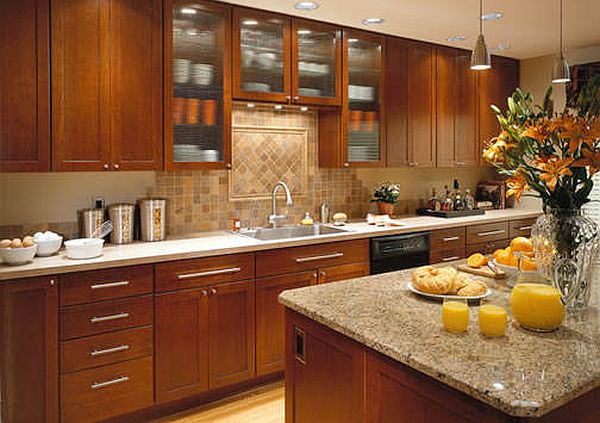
[[222, 242], [522, 374]]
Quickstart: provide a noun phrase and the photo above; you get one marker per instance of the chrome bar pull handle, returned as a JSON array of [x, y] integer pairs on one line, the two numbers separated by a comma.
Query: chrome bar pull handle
[[120, 348], [209, 273], [109, 285], [120, 379], [450, 238], [315, 258], [109, 318], [497, 232]]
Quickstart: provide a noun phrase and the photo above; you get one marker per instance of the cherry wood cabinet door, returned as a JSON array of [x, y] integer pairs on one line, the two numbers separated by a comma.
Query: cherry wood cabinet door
[[231, 333], [495, 86], [136, 84], [261, 56], [181, 344], [29, 350], [80, 85], [24, 86], [396, 64], [343, 272], [421, 113], [270, 318]]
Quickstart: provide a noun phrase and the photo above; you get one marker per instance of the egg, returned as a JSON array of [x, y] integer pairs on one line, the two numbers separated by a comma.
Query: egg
[[5, 243], [16, 243]]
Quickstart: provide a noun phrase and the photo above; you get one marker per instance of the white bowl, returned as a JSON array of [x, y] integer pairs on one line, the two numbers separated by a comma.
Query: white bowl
[[49, 247], [84, 248], [17, 256]]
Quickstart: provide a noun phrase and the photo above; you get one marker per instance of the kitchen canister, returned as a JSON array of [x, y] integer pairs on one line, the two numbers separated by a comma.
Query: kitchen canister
[[153, 218], [89, 221], [122, 218]]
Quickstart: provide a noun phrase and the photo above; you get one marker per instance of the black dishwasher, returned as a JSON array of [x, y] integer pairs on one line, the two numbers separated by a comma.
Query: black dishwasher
[[397, 252]]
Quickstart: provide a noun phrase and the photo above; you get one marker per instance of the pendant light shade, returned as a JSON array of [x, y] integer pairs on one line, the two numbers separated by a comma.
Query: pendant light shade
[[560, 70], [480, 56]]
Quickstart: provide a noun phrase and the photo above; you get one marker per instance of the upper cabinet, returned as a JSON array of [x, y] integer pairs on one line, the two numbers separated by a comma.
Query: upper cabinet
[[24, 86], [411, 104], [285, 60], [456, 116], [197, 85], [495, 86], [106, 85]]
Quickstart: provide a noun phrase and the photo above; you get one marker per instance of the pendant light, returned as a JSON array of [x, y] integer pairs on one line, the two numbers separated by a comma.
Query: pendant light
[[480, 56], [560, 70]]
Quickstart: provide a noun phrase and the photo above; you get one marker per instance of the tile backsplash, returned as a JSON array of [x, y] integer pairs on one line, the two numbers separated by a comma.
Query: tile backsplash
[[267, 146]]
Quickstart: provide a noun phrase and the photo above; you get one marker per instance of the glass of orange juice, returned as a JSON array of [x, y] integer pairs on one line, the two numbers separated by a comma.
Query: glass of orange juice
[[455, 315]]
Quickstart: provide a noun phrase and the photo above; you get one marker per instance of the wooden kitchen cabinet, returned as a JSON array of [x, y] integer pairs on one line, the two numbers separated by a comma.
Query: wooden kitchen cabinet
[[343, 272], [29, 350], [270, 318], [197, 73], [25, 98], [495, 85], [411, 104], [456, 115], [105, 116]]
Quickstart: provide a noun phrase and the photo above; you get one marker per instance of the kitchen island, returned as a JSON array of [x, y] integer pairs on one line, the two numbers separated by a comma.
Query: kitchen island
[[369, 350]]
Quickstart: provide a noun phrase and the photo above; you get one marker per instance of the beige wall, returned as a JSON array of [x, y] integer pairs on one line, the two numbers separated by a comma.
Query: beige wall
[[536, 74]]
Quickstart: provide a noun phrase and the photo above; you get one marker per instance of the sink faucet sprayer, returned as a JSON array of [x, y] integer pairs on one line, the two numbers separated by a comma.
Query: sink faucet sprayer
[[275, 218]]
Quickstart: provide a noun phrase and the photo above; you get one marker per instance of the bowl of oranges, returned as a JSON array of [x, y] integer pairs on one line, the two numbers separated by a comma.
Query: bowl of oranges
[[507, 259]]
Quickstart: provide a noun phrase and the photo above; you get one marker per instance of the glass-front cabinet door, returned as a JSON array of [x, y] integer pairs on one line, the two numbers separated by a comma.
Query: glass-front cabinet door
[[363, 134], [261, 56], [316, 63], [197, 79]]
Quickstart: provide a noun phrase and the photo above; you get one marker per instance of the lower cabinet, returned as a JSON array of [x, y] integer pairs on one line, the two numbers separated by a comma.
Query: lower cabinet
[[270, 318], [343, 272], [29, 351], [204, 339]]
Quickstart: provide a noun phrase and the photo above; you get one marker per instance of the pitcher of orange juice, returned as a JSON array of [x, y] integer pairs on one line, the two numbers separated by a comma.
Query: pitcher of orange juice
[[537, 306]]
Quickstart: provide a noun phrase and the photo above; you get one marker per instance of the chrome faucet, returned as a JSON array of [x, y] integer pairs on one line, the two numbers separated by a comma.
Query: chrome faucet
[[274, 218]]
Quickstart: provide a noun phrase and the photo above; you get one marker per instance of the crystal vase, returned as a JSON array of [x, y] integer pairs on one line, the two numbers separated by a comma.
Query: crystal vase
[[566, 247]]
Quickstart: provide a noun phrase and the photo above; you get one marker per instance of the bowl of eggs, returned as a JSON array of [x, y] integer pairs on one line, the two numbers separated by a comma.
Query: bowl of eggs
[[17, 251], [48, 243]]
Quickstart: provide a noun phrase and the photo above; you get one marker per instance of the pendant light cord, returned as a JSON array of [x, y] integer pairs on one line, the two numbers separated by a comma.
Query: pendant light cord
[[560, 25], [480, 14]]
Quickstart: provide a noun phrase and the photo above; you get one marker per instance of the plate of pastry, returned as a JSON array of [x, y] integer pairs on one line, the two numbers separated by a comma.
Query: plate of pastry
[[447, 283]]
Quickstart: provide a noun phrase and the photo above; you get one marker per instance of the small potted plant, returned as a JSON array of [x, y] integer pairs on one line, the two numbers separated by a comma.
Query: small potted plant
[[386, 196]]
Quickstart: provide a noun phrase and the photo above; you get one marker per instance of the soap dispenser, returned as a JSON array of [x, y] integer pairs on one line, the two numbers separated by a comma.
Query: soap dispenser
[[307, 220]]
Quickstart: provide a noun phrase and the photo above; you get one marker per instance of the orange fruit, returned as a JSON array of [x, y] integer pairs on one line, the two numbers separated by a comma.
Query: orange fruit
[[506, 257], [477, 260], [498, 253], [528, 264], [521, 244]]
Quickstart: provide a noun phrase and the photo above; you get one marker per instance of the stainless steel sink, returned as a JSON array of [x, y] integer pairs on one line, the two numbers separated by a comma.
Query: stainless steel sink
[[285, 232]]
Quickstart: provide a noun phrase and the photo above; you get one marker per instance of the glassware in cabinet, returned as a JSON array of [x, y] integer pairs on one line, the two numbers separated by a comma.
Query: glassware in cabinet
[[363, 102], [200, 104], [261, 56]]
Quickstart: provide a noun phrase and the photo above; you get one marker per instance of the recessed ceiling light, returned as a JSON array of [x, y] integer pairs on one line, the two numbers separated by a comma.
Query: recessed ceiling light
[[456, 38], [306, 5], [188, 11], [492, 16], [250, 22], [304, 31], [372, 21]]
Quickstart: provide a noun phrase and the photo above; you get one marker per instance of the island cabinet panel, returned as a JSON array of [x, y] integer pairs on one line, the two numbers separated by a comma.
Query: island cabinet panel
[[324, 374], [311, 257], [106, 117], [25, 101], [396, 394], [343, 272], [270, 318], [181, 344], [29, 351]]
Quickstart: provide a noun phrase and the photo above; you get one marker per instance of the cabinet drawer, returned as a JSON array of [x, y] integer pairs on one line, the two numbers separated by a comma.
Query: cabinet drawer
[[487, 232], [108, 348], [487, 247], [103, 392], [108, 316], [446, 239], [205, 271], [442, 256], [297, 259], [521, 227], [98, 285], [343, 272]]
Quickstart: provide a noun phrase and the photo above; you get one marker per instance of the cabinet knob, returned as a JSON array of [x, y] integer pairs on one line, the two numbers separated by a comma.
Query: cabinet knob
[[296, 97], [228, 165], [204, 292], [288, 98], [105, 166], [346, 164], [213, 291], [52, 282], [117, 167]]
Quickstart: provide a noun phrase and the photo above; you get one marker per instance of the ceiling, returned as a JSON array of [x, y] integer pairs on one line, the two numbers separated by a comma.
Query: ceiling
[[528, 26]]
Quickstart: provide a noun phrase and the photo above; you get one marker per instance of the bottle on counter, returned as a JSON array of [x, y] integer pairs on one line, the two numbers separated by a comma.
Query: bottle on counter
[[448, 203], [459, 203], [434, 202], [307, 220], [469, 200]]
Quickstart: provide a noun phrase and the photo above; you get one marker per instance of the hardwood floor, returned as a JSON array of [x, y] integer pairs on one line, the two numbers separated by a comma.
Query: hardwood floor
[[264, 404]]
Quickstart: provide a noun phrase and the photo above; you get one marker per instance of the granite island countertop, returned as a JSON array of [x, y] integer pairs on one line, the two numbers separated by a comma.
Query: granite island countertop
[[524, 374], [216, 243]]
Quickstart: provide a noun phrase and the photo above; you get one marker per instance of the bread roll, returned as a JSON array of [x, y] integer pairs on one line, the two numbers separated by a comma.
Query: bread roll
[[474, 287]]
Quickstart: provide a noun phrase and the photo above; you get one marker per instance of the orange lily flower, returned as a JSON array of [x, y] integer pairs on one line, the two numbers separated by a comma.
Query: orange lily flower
[[553, 170], [516, 185], [590, 160]]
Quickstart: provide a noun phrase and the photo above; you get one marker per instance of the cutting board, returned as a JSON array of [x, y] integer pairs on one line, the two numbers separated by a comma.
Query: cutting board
[[482, 271]]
